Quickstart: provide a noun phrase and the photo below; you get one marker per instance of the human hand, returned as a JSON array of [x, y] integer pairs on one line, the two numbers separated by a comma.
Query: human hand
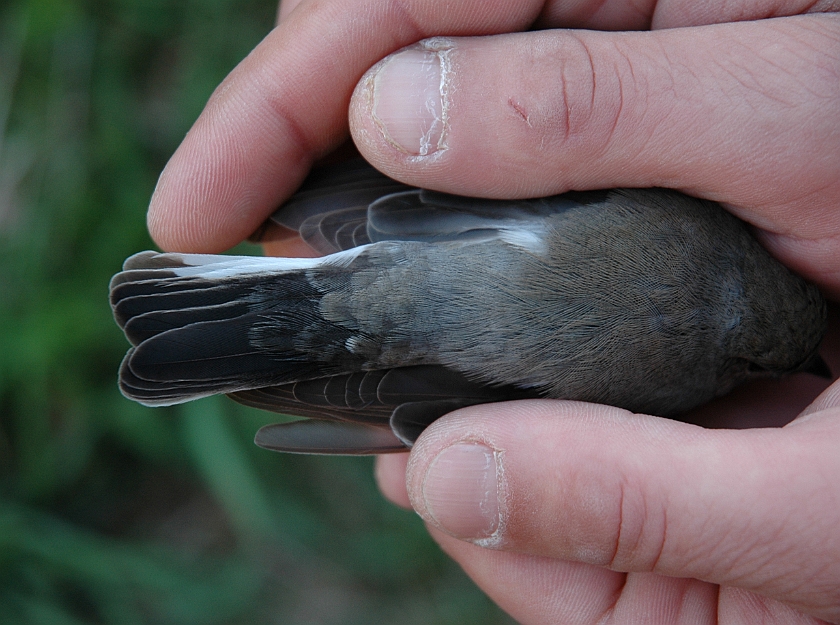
[[721, 111], [743, 113], [564, 512]]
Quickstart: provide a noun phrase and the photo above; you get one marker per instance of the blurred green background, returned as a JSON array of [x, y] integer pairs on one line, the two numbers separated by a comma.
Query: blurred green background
[[111, 512]]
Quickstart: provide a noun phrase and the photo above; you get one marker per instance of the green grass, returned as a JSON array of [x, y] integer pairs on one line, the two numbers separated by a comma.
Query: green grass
[[111, 512]]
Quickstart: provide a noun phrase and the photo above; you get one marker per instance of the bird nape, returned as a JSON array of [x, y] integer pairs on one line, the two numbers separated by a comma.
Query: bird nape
[[426, 302]]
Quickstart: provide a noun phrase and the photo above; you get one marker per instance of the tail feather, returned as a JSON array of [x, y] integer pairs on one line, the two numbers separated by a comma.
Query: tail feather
[[206, 358], [137, 276], [170, 292], [142, 327], [151, 260], [220, 302], [200, 351], [203, 325], [155, 393]]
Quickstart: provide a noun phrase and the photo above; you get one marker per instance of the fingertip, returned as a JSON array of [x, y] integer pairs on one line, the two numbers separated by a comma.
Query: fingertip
[[171, 221], [461, 492], [390, 471], [635, 493], [403, 100], [457, 473], [201, 204], [400, 118], [518, 115], [294, 247], [214, 193], [285, 9]]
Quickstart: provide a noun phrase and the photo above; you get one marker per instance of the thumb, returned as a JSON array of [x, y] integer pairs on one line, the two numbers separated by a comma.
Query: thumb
[[755, 509], [726, 112]]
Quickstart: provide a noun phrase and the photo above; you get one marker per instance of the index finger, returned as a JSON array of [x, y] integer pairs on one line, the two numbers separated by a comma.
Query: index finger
[[286, 105]]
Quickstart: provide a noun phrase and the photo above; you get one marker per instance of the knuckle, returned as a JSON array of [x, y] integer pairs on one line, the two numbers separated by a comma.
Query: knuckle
[[574, 94], [641, 531]]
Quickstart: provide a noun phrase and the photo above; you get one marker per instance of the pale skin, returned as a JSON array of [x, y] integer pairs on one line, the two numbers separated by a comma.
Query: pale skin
[[589, 514]]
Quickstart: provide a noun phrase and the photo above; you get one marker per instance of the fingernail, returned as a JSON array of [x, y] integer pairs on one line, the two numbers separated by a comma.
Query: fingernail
[[461, 491], [410, 103]]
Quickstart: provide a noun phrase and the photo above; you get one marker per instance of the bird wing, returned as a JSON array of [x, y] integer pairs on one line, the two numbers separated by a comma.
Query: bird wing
[[330, 208], [367, 412], [352, 204]]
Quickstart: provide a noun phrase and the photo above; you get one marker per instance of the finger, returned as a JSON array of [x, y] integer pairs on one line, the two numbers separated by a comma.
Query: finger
[[672, 14], [534, 589], [829, 397], [286, 105], [753, 509], [738, 606], [285, 9], [390, 476], [292, 246], [538, 590], [820, 407], [727, 112]]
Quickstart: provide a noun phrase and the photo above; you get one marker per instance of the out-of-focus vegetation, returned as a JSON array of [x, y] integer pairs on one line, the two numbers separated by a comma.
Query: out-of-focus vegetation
[[110, 512]]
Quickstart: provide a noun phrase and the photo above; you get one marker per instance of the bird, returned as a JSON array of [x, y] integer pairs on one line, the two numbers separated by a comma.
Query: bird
[[424, 302]]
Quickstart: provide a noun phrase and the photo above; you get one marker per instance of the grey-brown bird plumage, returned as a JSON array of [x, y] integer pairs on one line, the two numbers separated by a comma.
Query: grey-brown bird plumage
[[646, 299]]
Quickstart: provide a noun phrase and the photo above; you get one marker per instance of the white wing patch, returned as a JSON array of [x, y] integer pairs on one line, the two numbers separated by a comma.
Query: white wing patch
[[214, 267], [531, 239]]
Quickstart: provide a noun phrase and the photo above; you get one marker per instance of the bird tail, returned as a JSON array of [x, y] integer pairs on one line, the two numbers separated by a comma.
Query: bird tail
[[201, 324]]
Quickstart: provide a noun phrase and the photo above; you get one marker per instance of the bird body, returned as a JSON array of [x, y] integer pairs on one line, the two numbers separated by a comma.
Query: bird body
[[646, 299]]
